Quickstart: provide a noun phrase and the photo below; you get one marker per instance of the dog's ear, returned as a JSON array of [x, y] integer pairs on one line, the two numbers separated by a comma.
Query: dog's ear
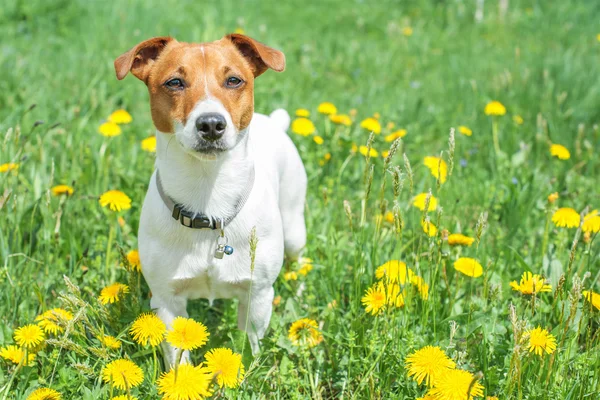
[[140, 58], [259, 56]]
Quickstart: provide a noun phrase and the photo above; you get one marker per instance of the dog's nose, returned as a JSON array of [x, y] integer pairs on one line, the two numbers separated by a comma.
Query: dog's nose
[[211, 126]]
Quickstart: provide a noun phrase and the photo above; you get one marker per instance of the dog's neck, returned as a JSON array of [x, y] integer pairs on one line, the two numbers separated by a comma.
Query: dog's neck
[[204, 184]]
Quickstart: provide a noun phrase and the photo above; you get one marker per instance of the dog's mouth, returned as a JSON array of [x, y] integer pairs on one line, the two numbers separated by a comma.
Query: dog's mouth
[[210, 147]]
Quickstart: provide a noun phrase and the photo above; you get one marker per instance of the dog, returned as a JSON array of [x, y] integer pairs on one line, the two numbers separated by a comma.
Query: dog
[[221, 171]]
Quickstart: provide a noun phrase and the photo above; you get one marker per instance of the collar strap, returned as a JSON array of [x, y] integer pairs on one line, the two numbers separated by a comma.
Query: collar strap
[[200, 221]]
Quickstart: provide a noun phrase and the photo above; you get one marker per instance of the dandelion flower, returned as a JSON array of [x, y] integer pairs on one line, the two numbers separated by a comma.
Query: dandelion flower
[[395, 135], [552, 197], [192, 383], [371, 125], [428, 364], [124, 397], [290, 276], [49, 321], [458, 239], [456, 384], [560, 151], [374, 299], [44, 394], [395, 271], [305, 269], [419, 202], [566, 218], [593, 298], [530, 284], [495, 108], [327, 108], [591, 223], [133, 258], [148, 329], [364, 150], [394, 295], [109, 129], [463, 130], [421, 285], [389, 217], [226, 366], [29, 336], [303, 126], [540, 341], [517, 119], [16, 355], [302, 112], [62, 189], [111, 293], [407, 31], [437, 166], [341, 119], [187, 334], [8, 167], [149, 144], [120, 117], [123, 374], [469, 267], [111, 342], [318, 140], [115, 200], [429, 228], [305, 332]]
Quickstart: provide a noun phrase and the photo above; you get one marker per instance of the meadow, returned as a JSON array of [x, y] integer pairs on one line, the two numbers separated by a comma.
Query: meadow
[[452, 203]]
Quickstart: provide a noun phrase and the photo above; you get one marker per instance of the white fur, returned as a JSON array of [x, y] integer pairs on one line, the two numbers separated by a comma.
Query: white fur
[[178, 262]]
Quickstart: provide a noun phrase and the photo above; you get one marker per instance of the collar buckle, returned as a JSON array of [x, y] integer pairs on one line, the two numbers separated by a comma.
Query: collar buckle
[[191, 220]]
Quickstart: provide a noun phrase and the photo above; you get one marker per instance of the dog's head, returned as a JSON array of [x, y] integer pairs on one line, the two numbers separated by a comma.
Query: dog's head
[[203, 93]]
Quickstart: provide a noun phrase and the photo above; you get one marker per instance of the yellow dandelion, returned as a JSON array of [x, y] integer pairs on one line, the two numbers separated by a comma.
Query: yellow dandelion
[[495, 108], [540, 341], [371, 124], [394, 295], [428, 364], [517, 119], [109, 129], [8, 167], [111, 342], [115, 200], [276, 301], [389, 217], [437, 166], [560, 151], [187, 334], [463, 130], [419, 202], [191, 383], [395, 135], [327, 108], [149, 144], [469, 267], [290, 276], [318, 140], [29, 336], [111, 293], [305, 332], [341, 119], [530, 284], [148, 329], [16, 355], [123, 374], [302, 112], [133, 257], [327, 156], [52, 320], [456, 384], [591, 222], [44, 394], [429, 228], [226, 366], [385, 153], [120, 117], [374, 299], [458, 239], [566, 217], [62, 189], [124, 397], [592, 298], [407, 31], [305, 269], [239, 30], [303, 127], [552, 197], [364, 150], [421, 286], [394, 271]]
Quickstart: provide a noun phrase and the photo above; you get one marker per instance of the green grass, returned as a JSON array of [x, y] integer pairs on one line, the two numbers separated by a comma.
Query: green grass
[[540, 60]]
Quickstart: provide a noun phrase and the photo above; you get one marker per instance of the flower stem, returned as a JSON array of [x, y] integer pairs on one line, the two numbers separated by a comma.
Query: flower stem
[[495, 136], [111, 236]]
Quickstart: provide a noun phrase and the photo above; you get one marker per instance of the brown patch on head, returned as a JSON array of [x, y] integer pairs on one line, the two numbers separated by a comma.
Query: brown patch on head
[[204, 70]]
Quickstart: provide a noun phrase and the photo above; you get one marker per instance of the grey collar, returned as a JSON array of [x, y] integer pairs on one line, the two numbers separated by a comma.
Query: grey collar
[[200, 221]]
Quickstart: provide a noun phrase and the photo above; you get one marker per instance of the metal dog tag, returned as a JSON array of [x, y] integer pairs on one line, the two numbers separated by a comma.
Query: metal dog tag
[[220, 251]]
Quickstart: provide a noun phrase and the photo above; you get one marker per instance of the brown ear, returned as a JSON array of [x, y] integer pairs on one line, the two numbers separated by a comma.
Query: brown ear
[[139, 59], [259, 56]]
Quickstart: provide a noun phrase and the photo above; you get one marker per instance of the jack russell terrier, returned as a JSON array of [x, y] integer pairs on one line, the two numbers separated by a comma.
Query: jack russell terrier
[[221, 170]]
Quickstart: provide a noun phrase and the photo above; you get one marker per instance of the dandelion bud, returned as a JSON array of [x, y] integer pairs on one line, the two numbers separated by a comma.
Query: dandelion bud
[[553, 197]]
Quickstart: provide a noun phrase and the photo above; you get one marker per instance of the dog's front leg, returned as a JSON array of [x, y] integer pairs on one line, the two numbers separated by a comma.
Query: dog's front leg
[[167, 310], [255, 319]]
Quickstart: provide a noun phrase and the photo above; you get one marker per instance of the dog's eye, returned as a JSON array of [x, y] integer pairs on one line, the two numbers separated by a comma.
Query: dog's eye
[[174, 84], [233, 82]]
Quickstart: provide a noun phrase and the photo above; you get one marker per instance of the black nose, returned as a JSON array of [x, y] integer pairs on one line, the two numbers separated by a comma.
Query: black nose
[[211, 126]]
